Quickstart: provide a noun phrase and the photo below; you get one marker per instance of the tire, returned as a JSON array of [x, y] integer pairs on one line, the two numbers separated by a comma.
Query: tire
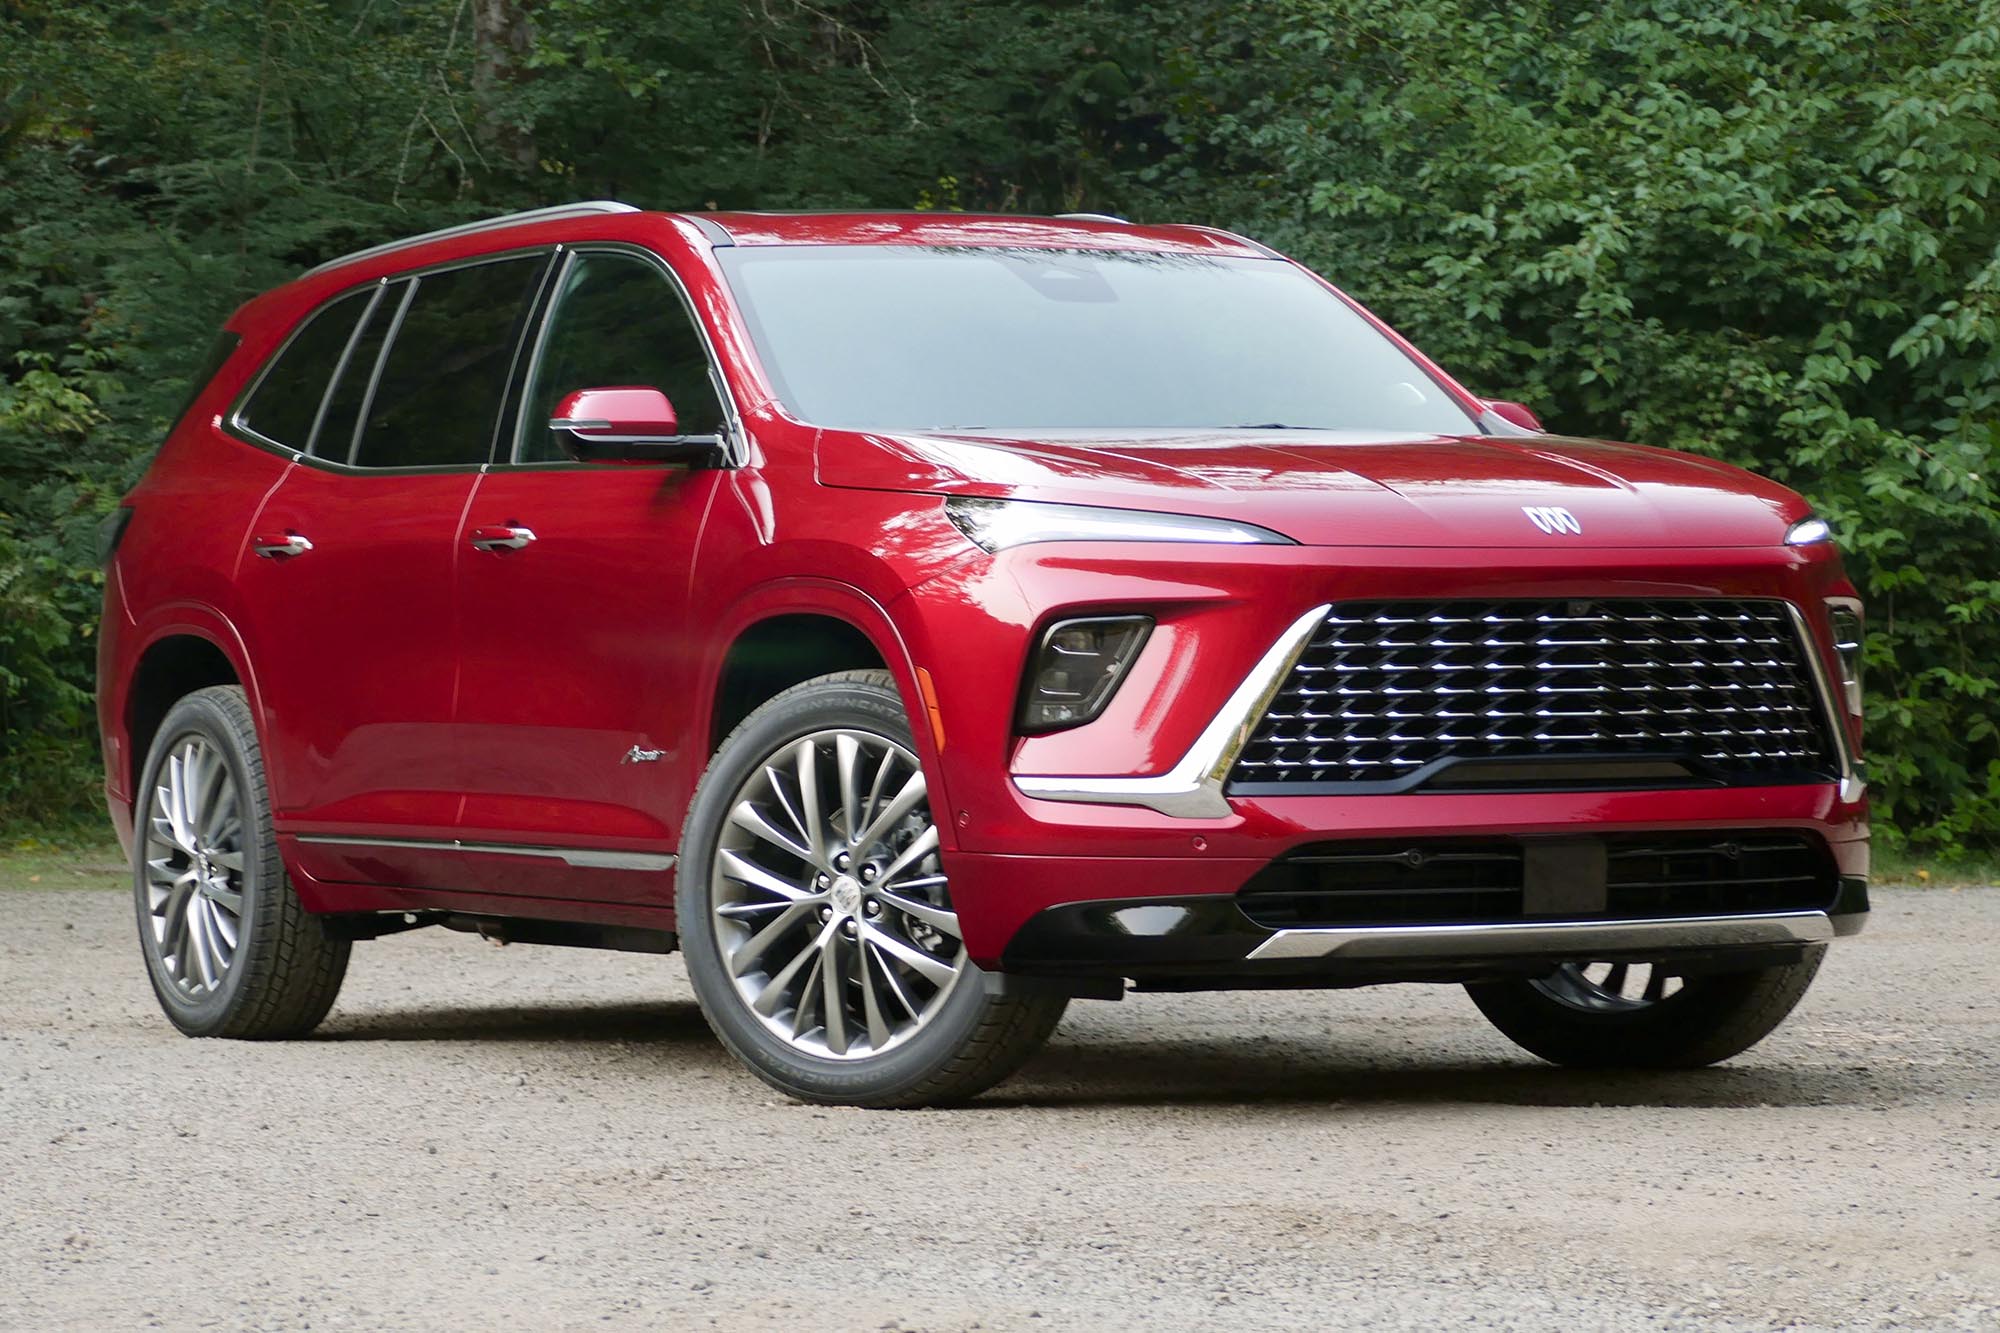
[[203, 804], [766, 916], [1709, 1018]]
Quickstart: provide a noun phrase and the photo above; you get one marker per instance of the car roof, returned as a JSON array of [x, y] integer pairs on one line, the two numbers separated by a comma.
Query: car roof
[[606, 219], [1084, 231]]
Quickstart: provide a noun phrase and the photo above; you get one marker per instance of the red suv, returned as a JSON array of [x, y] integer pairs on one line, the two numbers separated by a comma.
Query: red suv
[[922, 620]]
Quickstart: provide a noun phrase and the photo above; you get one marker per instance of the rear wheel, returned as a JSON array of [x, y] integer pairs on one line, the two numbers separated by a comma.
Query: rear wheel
[[817, 921], [229, 948], [1644, 1015]]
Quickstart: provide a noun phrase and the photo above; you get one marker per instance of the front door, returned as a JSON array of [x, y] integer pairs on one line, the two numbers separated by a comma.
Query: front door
[[576, 665]]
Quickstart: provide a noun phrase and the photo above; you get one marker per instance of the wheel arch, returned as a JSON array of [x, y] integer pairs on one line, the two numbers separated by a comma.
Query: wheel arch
[[187, 653], [789, 632]]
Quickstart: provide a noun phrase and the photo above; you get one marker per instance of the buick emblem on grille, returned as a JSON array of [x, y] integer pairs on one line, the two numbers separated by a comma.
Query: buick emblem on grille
[[1552, 520]]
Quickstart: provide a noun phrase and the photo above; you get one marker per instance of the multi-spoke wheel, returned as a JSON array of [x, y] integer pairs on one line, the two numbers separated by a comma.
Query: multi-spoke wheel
[[193, 866], [230, 950], [816, 917], [1645, 1014]]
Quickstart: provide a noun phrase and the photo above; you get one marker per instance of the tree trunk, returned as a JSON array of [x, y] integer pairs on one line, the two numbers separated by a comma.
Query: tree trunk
[[501, 40]]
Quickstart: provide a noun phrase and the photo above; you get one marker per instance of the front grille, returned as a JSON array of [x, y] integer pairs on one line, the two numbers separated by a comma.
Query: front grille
[[1463, 881], [1524, 694]]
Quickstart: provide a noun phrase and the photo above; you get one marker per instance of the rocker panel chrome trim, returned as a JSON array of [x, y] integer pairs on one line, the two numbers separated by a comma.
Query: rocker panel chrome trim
[[583, 858], [1559, 938]]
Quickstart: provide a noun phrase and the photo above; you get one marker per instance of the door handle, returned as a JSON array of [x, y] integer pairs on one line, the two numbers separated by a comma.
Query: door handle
[[280, 545], [505, 538]]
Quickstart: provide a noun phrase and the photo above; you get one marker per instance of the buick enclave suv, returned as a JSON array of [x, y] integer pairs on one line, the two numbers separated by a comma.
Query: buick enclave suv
[[920, 621]]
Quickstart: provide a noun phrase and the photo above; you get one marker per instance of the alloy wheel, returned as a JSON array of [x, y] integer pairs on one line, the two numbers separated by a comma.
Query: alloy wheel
[[1610, 987], [194, 836], [830, 909]]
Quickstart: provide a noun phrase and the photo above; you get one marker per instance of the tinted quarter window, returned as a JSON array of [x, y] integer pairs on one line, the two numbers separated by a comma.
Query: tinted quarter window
[[334, 441], [286, 401], [437, 396], [619, 321]]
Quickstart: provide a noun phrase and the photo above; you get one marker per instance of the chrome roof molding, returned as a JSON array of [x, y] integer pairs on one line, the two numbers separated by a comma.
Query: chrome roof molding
[[585, 208]]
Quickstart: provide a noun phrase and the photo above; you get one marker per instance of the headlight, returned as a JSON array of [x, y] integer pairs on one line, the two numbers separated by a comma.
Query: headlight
[[1808, 531], [1077, 669], [994, 525], [1844, 614]]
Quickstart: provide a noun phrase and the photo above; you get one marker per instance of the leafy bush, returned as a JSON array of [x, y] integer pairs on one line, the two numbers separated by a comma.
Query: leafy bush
[[1769, 233], [1765, 232]]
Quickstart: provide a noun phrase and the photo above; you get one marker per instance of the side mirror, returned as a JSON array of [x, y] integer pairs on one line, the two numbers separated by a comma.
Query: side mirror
[[627, 424], [1515, 414]]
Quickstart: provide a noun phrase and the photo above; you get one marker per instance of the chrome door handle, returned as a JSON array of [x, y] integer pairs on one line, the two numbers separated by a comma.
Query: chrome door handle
[[501, 538], [280, 546]]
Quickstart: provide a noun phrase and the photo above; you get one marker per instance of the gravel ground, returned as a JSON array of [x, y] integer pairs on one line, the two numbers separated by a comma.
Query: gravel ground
[[550, 1138]]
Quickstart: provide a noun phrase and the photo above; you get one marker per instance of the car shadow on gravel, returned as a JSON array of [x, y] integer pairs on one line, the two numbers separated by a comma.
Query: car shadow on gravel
[[1113, 1074], [666, 1024], [1173, 1074]]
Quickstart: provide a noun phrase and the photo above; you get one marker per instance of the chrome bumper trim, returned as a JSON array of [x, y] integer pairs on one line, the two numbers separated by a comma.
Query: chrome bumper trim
[[583, 858], [1192, 788], [1852, 784], [1571, 939]]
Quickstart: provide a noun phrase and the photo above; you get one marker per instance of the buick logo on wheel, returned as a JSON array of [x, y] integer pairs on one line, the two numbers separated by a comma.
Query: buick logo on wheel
[[1551, 520]]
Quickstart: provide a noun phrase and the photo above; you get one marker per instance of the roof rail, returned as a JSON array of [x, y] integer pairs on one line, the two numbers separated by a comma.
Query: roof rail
[[577, 210], [1093, 217]]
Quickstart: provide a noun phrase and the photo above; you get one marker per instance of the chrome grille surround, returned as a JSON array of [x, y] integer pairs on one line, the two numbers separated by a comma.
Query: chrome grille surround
[[1388, 695]]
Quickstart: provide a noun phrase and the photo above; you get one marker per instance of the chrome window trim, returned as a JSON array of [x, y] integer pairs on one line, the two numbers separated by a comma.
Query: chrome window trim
[[232, 419], [734, 440], [340, 364], [1586, 939], [582, 208], [375, 381], [583, 858], [1192, 788]]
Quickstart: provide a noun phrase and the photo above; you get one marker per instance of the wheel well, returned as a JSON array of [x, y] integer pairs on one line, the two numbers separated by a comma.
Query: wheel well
[[774, 655], [170, 670]]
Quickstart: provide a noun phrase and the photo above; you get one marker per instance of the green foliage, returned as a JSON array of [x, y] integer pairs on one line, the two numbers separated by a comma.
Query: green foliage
[[1765, 232]]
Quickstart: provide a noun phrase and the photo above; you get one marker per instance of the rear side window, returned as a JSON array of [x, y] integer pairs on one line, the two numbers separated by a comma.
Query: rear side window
[[335, 439], [286, 402], [439, 389]]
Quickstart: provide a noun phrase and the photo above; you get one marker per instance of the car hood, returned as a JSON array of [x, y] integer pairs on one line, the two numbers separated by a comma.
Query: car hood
[[1340, 488]]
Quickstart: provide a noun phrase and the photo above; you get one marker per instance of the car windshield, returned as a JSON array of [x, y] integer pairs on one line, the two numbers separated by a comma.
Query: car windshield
[[882, 337]]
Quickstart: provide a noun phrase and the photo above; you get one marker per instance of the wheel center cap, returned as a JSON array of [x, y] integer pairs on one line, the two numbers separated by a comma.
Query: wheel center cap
[[846, 896]]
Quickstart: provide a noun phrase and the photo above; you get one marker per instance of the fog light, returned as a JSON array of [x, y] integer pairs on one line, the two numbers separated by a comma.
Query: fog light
[[1845, 617], [1077, 668]]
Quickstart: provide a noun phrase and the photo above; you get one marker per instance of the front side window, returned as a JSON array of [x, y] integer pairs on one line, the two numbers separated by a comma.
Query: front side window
[[618, 322], [286, 402], [896, 337], [437, 395]]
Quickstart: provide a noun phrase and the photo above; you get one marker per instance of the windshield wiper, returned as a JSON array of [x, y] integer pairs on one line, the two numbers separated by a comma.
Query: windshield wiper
[[1270, 425]]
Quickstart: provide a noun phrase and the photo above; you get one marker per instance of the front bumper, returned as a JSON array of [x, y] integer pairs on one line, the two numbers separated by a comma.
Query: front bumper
[[1132, 810], [1209, 942]]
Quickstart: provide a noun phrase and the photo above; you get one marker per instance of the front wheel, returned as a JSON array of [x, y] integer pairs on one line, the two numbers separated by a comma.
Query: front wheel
[[1644, 1015], [816, 919]]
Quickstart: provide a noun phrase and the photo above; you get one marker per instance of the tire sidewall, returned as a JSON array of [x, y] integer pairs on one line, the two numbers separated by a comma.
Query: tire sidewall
[[816, 706], [201, 715]]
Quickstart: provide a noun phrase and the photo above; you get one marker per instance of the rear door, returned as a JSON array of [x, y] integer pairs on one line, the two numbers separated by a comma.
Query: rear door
[[348, 573], [574, 693]]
